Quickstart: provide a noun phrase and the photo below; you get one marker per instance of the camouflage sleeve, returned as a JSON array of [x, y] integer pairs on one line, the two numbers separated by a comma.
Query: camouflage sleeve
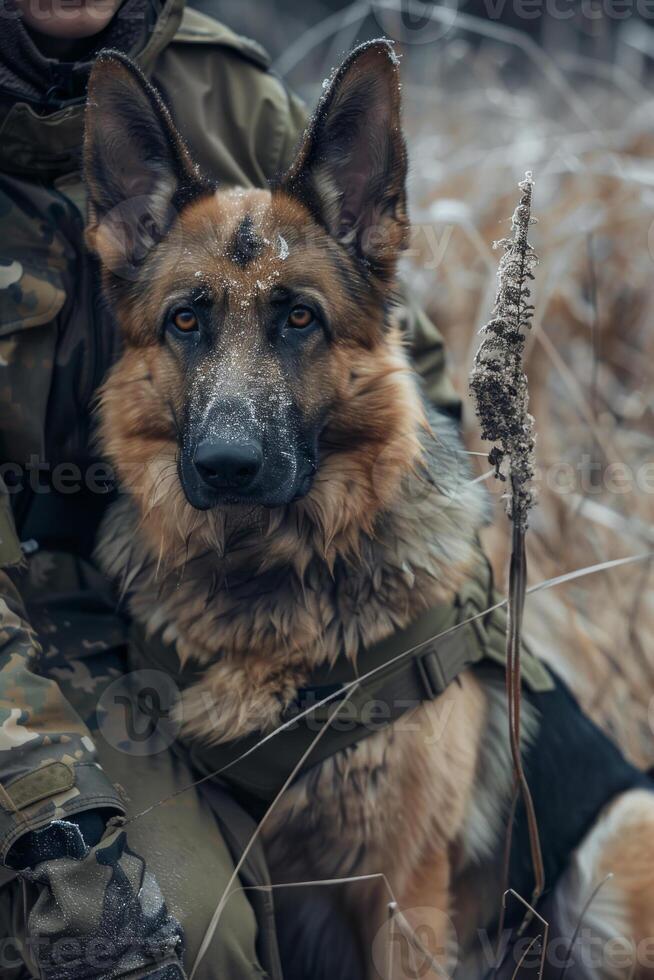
[[48, 766], [429, 356], [426, 343]]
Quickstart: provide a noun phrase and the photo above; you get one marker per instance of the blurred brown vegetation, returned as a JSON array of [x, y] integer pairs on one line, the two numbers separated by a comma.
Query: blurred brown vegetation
[[573, 101], [590, 354]]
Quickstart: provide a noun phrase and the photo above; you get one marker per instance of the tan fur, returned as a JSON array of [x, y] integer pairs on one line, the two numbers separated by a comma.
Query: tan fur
[[368, 381], [395, 802], [257, 597], [629, 857], [372, 545], [260, 597], [606, 897], [300, 624]]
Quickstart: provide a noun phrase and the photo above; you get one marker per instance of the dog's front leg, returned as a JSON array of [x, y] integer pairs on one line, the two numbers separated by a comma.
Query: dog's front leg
[[416, 940]]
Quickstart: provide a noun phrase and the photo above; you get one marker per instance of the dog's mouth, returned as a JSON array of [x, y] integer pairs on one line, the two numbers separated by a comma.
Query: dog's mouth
[[225, 474]]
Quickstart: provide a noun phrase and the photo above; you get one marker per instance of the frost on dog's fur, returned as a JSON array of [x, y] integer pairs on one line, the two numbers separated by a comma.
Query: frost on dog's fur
[[255, 597]]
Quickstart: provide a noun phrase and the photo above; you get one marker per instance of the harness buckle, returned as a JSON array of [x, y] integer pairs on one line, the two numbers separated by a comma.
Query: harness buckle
[[445, 661], [431, 674]]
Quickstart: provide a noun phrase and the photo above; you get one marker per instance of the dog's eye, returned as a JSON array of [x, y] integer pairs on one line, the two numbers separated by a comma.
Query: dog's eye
[[300, 317], [185, 320]]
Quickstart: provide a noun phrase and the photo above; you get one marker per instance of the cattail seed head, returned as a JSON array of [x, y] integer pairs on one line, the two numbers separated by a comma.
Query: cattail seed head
[[498, 382]]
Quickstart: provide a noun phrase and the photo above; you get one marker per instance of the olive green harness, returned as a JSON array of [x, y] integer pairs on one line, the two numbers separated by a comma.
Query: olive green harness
[[413, 665]]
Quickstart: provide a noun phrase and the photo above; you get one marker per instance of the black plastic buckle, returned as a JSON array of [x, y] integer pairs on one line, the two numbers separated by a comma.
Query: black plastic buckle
[[441, 665], [431, 674]]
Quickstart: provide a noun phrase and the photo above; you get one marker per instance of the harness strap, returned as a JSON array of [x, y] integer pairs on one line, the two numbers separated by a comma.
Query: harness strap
[[417, 667], [401, 681], [397, 684]]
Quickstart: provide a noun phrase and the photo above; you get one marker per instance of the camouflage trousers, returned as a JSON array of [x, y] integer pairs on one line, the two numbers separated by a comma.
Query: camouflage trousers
[[191, 840]]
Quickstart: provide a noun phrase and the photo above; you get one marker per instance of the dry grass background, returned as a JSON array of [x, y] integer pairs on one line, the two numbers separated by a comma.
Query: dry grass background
[[483, 104], [478, 116]]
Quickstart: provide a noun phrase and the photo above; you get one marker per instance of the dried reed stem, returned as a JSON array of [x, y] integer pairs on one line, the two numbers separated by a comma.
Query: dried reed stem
[[499, 386]]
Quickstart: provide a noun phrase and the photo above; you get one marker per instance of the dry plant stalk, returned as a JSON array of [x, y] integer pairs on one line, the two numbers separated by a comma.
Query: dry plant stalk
[[499, 386], [498, 381]]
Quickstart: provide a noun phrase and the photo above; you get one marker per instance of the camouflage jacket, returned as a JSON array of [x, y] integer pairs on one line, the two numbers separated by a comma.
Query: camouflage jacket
[[56, 343]]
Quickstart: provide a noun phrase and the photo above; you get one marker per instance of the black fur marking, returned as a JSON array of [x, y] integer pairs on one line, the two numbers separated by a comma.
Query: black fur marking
[[245, 245], [317, 940]]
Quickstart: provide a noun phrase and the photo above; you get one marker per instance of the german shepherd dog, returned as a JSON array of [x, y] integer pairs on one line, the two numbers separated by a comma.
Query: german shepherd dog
[[289, 498]]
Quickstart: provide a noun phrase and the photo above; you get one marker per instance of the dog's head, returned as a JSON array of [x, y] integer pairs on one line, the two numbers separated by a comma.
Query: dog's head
[[260, 366]]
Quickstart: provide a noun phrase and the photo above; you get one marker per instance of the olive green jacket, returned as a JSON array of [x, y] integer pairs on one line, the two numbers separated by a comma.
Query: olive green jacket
[[56, 342]]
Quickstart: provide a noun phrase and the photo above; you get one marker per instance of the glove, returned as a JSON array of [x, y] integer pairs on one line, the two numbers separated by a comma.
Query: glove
[[71, 837], [101, 915]]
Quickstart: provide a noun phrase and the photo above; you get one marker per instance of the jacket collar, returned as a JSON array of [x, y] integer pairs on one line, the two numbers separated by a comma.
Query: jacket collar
[[42, 100]]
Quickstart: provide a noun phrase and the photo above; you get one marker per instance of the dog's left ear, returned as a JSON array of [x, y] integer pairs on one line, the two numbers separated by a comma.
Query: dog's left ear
[[351, 167], [135, 164]]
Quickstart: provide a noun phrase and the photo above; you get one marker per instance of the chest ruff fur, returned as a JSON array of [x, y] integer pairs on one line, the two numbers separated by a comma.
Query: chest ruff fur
[[393, 677], [388, 679]]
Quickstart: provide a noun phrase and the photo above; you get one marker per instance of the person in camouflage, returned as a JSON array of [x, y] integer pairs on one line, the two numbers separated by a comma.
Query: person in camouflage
[[94, 882]]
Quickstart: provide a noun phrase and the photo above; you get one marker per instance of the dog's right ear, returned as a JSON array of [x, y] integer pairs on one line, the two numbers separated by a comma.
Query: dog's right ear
[[351, 167], [135, 164]]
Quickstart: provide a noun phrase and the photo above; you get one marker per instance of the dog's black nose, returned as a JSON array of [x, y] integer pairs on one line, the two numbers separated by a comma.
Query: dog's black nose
[[228, 465]]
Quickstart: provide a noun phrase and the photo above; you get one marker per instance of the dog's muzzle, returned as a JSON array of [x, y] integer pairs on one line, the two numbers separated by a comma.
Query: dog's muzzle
[[228, 466], [267, 464]]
